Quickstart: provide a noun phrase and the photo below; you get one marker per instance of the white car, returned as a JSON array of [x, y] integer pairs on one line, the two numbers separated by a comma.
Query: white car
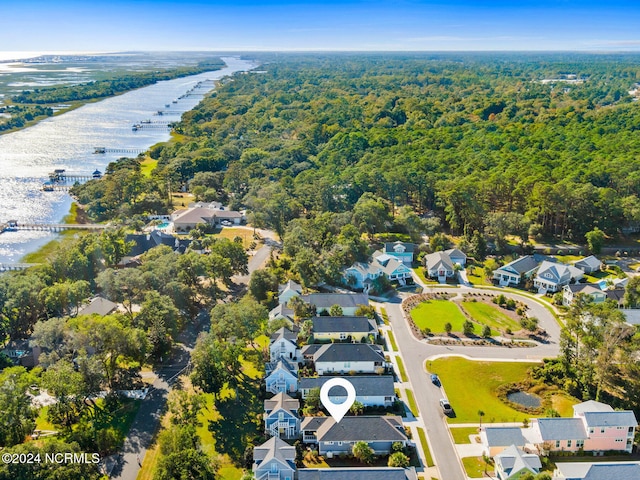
[[446, 406]]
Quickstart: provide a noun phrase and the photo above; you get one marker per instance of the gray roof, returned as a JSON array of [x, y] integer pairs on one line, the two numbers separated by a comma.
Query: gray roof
[[408, 247], [275, 448], [433, 260], [282, 401], [280, 364], [590, 261], [290, 285], [99, 306], [365, 385], [514, 460], [504, 436], [310, 350], [348, 352], [285, 333], [345, 473], [562, 429], [361, 428], [455, 253], [366, 268], [586, 288], [343, 324], [624, 418], [559, 271], [591, 406], [522, 265], [145, 242], [600, 471], [327, 300], [617, 294]]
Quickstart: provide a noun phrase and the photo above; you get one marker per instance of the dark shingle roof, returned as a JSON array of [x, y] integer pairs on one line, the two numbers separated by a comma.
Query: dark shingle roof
[[99, 306], [365, 385], [282, 401], [285, 333], [348, 352], [361, 428], [342, 324], [275, 448], [327, 300], [619, 472], [369, 473], [408, 247], [145, 242], [523, 264]]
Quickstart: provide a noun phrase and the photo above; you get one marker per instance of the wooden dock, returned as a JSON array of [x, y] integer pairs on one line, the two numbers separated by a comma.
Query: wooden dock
[[135, 151], [50, 227], [9, 267]]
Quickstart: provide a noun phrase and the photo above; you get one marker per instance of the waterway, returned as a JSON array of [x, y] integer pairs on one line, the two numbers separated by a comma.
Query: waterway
[[68, 141]]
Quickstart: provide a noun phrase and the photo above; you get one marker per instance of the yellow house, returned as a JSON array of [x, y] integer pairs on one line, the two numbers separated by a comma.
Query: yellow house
[[343, 328]]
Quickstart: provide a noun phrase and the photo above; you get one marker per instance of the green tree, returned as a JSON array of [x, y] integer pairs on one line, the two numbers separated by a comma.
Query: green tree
[[263, 284], [335, 311], [398, 459], [595, 240], [18, 415], [363, 452], [357, 408], [468, 327], [448, 327]]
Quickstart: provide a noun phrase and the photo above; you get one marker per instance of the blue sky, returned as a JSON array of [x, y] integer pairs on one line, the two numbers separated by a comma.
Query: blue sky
[[116, 25]]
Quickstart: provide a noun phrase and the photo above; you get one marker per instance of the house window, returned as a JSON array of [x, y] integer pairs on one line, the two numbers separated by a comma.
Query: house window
[[274, 468], [339, 444], [579, 443], [630, 430], [280, 416], [602, 430], [557, 443], [343, 336], [347, 364], [328, 443], [591, 430], [619, 440], [568, 443]]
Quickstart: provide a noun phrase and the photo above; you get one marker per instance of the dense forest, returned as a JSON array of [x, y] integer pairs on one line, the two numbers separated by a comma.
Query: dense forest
[[550, 140]]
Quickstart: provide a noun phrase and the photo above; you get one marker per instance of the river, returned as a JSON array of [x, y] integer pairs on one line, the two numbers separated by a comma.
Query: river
[[68, 142]]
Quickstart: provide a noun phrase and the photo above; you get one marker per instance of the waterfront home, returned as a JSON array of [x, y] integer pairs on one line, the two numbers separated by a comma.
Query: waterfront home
[[142, 243], [515, 272], [342, 328], [349, 358], [371, 390], [275, 459], [281, 416], [332, 438], [185, 220]]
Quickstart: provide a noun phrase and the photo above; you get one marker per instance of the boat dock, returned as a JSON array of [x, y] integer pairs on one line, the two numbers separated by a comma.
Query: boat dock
[[61, 176], [8, 267], [136, 151], [13, 226]]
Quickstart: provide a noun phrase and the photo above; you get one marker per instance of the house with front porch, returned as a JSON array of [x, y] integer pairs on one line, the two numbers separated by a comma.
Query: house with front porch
[[361, 275], [551, 277], [439, 265], [404, 252], [327, 329], [281, 378], [515, 272], [512, 463], [275, 459], [281, 416], [379, 432], [371, 390]]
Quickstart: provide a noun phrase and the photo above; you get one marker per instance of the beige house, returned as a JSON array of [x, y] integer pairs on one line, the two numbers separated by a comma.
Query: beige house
[[343, 328]]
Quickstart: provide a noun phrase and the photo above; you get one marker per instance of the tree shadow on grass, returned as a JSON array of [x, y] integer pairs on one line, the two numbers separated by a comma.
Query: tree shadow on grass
[[241, 422]]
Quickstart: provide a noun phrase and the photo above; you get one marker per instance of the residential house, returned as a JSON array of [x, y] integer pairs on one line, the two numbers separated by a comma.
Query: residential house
[[99, 306], [281, 416], [551, 277], [282, 312], [439, 265], [594, 426], [349, 302], [616, 295], [592, 290], [142, 243], [20, 352], [349, 357], [362, 274], [282, 378], [275, 459], [371, 390], [186, 219], [332, 438], [513, 462], [597, 471], [357, 473], [287, 291], [404, 252], [497, 439], [343, 328], [284, 344], [457, 257], [517, 271], [589, 264]]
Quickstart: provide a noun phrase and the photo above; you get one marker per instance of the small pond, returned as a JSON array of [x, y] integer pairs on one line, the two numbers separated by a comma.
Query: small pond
[[525, 399]]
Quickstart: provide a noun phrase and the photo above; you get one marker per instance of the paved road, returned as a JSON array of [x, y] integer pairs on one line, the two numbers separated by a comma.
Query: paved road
[[415, 353]]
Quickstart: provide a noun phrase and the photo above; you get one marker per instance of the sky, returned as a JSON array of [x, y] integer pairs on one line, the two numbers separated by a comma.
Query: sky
[[352, 25]]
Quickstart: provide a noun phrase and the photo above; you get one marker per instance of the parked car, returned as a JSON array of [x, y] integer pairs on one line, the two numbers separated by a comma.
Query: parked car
[[226, 223], [446, 406], [435, 380]]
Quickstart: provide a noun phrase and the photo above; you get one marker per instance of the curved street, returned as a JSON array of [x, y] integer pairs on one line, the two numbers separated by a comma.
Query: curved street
[[416, 352]]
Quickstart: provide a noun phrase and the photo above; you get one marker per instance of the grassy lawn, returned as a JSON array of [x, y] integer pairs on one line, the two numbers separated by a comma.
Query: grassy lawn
[[385, 316], [461, 434], [435, 313], [470, 387], [147, 166], [425, 447], [181, 200], [475, 275], [42, 422], [245, 234], [475, 467], [392, 341], [413, 406], [419, 271], [401, 371], [490, 315]]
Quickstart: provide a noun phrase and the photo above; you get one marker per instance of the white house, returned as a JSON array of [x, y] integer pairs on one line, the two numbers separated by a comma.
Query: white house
[[349, 357], [439, 265], [275, 459], [514, 272], [551, 277], [281, 416], [284, 344], [371, 390], [569, 292]]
